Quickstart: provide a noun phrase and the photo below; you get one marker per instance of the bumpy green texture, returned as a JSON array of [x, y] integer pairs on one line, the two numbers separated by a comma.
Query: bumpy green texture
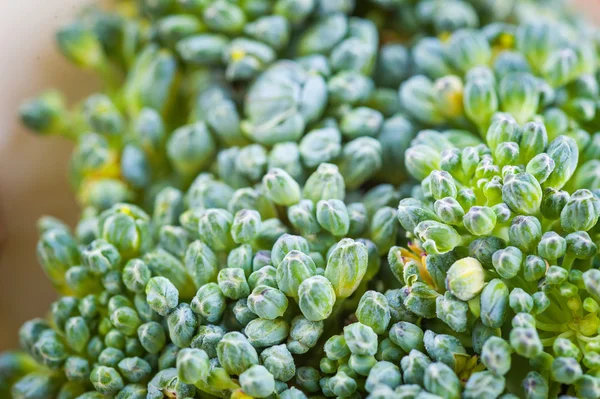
[[294, 199]]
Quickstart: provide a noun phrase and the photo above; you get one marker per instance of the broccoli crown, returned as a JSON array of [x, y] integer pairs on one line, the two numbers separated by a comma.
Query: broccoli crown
[[324, 198]]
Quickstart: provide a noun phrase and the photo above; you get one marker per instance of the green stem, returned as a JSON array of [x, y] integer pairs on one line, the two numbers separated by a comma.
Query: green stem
[[568, 261]]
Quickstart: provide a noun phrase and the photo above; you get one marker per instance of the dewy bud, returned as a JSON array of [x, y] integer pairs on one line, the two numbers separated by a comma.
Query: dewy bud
[[503, 129], [581, 211], [437, 238], [325, 183], [480, 220], [494, 303], [563, 150], [441, 185], [346, 266], [80, 46], [316, 298], [540, 167], [519, 95], [522, 193], [465, 278], [281, 188], [525, 233], [507, 262], [332, 215], [480, 100]]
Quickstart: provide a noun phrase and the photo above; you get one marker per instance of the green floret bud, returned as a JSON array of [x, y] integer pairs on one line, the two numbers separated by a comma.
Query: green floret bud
[[303, 217], [106, 380], [279, 362], [383, 373], [494, 303], [224, 17], [201, 263], [191, 148], [507, 262], [161, 295], [214, 226], [316, 298], [564, 347], [437, 238], [361, 121], [484, 384], [535, 386], [421, 300], [285, 244], [441, 380], [361, 364], [36, 385], [407, 336], [522, 193], [209, 302], [135, 369], [126, 320], [452, 311], [552, 246], [267, 302], [44, 114], [263, 333], [182, 324], [321, 145], [232, 283], [553, 203], [360, 160], [77, 333], [77, 369], [266, 275], [373, 311], [152, 337], [56, 252], [292, 393], [235, 353], [414, 366], [520, 301], [519, 95], [443, 348], [563, 150], [246, 225], [480, 220], [242, 312], [581, 212], [241, 258], [257, 382], [304, 334], [580, 245], [566, 370], [207, 338], [525, 341], [342, 385], [346, 266], [496, 355], [534, 268], [360, 339], [281, 188], [384, 228], [540, 167], [525, 233], [465, 278], [332, 216], [136, 275], [412, 212], [80, 46], [440, 184], [449, 211], [295, 267], [325, 183]]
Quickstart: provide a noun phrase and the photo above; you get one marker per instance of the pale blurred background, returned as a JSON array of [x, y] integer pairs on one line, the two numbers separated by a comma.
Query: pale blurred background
[[33, 169]]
